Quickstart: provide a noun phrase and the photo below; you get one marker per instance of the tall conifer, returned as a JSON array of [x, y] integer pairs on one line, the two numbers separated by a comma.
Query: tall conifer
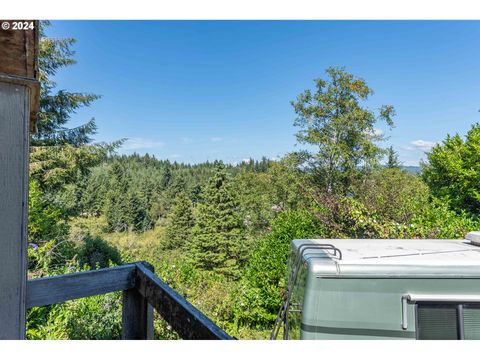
[[217, 233], [180, 222]]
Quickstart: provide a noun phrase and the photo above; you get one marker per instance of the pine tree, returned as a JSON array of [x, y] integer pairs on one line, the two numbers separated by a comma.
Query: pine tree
[[217, 235], [180, 222]]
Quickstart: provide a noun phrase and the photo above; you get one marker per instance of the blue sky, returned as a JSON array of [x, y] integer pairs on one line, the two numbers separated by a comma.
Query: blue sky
[[193, 91]]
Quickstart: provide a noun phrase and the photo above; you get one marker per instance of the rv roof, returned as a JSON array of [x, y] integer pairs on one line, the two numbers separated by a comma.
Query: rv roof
[[382, 256]]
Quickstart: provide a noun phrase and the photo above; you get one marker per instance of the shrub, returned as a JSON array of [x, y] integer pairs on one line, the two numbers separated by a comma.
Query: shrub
[[96, 252], [452, 171], [95, 317], [393, 194], [438, 221], [259, 294]]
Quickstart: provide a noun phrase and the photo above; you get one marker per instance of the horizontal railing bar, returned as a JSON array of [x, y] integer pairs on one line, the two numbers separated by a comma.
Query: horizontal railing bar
[[57, 289], [189, 322]]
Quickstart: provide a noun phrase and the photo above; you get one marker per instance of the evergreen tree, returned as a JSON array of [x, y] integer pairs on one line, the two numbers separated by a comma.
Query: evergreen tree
[[137, 214], [56, 107], [94, 194], [217, 235], [59, 153], [392, 158], [180, 222], [117, 207]]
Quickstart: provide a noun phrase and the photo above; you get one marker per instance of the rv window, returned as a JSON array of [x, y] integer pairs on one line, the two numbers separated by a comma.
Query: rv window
[[437, 321], [471, 321]]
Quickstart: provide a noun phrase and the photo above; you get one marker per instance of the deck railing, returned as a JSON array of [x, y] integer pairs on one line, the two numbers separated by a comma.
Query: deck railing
[[142, 290]]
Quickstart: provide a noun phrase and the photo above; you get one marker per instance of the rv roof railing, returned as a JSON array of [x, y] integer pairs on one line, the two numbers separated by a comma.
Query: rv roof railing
[[282, 316]]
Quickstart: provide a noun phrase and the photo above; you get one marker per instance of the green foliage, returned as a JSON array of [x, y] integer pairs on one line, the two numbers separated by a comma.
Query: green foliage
[[180, 222], [437, 221], [333, 120], [59, 155], [262, 195], [452, 171], [392, 159], [393, 194], [93, 318], [56, 107], [47, 232], [117, 206], [432, 221], [95, 252], [259, 294], [127, 202], [55, 166], [46, 220], [94, 192], [217, 235]]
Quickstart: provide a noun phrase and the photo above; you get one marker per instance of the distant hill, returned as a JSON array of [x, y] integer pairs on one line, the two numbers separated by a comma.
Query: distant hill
[[412, 169]]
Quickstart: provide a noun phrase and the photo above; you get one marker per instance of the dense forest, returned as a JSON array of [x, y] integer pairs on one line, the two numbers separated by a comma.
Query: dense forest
[[220, 233]]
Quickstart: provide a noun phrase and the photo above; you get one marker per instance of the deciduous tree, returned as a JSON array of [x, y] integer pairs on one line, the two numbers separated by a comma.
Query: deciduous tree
[[334, 121]]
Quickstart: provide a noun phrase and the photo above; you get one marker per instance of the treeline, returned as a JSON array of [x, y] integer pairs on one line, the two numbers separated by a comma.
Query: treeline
[[212, 209], [135, 192]]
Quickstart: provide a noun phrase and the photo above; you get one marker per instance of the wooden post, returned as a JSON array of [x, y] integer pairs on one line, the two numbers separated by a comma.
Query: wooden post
[[137, 317], [137, 313], [14, 119], [18, 90]]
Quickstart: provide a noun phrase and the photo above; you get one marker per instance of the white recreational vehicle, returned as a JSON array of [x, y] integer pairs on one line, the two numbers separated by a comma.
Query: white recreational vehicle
[[382, 289]]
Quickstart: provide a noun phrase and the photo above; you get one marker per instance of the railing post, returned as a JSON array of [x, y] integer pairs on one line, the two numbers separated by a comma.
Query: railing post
[[137, 316]]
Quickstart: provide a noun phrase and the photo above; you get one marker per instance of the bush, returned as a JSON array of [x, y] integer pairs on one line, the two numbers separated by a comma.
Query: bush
[[95, 252], [92, 318], [393, 194], [95, 317], [46, 220], [437, 221], [432, 221], [452, 171], [259, 294]]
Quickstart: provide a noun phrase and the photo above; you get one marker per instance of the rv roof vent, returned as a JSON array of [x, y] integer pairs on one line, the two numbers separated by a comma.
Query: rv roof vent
[[474, 237]]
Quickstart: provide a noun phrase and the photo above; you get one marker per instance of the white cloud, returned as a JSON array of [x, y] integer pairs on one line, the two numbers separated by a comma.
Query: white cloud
[[142, 143], [216, 139], [375, 132], [423, 145]]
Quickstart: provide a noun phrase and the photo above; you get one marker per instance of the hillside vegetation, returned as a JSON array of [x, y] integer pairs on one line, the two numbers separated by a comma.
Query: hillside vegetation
[[217, 233]]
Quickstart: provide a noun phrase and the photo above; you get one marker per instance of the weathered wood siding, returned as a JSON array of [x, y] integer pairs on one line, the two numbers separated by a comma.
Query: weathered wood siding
[[18, 50], [14, 116], [18, 58]]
